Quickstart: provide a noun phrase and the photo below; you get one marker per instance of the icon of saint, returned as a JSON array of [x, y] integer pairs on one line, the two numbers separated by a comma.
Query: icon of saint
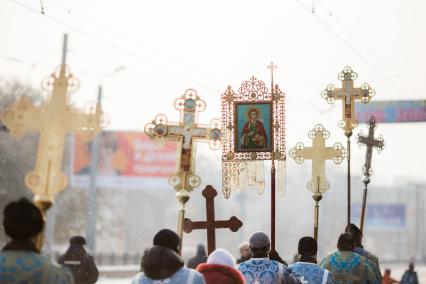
[[253, 135]]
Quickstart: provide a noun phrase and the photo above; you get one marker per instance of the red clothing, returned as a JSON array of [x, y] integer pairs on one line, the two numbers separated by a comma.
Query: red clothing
[[388, 280], [216, 273]]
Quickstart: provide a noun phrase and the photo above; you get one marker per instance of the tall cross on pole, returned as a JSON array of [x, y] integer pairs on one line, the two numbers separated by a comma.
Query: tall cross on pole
[[185, 132], [211, 224], [348, 94], [272, 66], [371, 143], [318, 153], [53, 120]]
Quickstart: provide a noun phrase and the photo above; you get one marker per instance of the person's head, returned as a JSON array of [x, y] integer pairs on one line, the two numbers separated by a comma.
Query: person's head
[[411, 266], [387, 271], [167, 238], [77, 241], [346, 242], [259, 244], [244, 249], [222, 257], [22, 220], [307, 249], [356, 233], [253, 113], [201, 250]]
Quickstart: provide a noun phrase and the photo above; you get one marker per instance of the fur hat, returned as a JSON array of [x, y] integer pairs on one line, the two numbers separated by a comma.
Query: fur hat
[[167, 238], [221, 256]]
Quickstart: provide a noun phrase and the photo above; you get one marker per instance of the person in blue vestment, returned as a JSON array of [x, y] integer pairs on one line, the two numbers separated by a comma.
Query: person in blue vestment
[[306, 268], [410, 276], [359, 249], [260, 269], [162, 264], [20, 260], [348, 267]]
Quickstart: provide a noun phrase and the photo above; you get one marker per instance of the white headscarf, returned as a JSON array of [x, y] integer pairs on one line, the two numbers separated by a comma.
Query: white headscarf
[[222, 257]]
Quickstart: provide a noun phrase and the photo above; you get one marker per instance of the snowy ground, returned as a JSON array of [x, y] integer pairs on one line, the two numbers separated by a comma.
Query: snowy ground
[[397, 271]]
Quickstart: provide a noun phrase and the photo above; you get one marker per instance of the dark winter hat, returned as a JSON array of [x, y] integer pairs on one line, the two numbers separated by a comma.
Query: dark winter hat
[[78, 240], [167, 238], [22, 220], [307, 246], [354, 230], [346, 242], [259, 240]]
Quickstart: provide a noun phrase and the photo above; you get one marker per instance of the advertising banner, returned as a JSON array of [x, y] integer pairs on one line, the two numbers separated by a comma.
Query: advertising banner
[[391, 111]]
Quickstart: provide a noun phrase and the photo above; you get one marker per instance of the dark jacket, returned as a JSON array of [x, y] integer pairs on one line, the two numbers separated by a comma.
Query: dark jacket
[[200, 257], [216, 273], [81, 264], [160, 262]]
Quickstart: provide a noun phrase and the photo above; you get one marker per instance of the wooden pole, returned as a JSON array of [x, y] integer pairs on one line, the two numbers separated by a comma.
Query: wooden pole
[[273, 171]]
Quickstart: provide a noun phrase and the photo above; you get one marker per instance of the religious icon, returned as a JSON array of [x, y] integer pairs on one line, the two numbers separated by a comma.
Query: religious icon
[[253, 126]]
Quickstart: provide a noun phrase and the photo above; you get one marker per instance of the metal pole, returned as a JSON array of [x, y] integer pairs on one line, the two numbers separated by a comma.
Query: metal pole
[[273, 171], [349, 177], [92, 202], [64, 49], [364, 203]]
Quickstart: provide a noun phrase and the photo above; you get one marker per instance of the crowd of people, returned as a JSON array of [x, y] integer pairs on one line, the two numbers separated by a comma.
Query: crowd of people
[[21, 261]]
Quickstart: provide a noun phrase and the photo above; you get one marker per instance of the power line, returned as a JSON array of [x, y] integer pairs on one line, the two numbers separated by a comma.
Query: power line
[[353, 49], [103, 41]]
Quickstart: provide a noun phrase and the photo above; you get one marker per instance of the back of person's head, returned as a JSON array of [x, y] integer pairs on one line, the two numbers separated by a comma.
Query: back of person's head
[[22, 220], [307, 249], [356, 233], [222, 257], [346, 242], [387, 271], [160, 262], [244, 248], [77, 240], [167, 238], [411, 266], [201, 250], [259, 243]]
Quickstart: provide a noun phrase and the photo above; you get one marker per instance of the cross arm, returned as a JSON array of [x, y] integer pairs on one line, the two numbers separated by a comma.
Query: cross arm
[[22, 116], [189, 225], [82, 121], [363, 139]]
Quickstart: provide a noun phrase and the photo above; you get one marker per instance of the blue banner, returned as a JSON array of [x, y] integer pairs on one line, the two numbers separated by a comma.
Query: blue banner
[[391, 111], [381, 216]]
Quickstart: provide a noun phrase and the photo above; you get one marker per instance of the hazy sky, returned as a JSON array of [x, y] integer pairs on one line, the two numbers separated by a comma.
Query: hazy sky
[[169, 46]]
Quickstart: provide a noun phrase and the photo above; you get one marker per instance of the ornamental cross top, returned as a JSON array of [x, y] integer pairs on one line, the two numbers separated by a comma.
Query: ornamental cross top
[[370, 142], [234, 224], [318, 153], [348, 94], [53, 120], [185, 132]]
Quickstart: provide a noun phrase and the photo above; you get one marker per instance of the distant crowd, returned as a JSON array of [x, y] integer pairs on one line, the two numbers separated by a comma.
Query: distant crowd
[[21, 261]]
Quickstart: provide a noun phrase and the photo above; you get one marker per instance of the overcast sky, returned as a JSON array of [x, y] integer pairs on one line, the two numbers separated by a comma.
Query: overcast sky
[[169, 46]]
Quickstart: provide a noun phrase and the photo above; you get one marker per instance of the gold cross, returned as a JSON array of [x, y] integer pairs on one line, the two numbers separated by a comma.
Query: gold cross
[[318, 153], [348, 94], [53, 120], [185, 132]]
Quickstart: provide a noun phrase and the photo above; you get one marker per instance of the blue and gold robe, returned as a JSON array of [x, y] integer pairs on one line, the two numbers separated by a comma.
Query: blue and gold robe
[[348, 267], [310, 273], [266, 271], [374, 261]]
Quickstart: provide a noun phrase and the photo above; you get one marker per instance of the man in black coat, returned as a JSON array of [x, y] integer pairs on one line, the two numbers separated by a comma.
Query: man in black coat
[[79, 262]]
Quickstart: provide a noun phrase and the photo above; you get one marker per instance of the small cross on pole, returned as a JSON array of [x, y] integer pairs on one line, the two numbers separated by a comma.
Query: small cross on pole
[[370, 142], [348, 94], [234, 224]]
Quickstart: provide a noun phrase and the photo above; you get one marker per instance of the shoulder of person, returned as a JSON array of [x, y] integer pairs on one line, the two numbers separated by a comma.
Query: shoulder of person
[[138, 278]]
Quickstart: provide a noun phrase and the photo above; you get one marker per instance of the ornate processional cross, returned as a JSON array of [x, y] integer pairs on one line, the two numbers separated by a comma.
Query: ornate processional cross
[[348, 94], [318, 153], [234, 224], [185, 132], [370, 142], [53, 120]]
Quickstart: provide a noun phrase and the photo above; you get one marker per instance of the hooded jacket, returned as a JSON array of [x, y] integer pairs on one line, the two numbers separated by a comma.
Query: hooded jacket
[[217, 273]]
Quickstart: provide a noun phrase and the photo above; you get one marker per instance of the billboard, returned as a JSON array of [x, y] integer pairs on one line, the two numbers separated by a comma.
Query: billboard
[[381, 215], [391, 111], [125, 160]]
